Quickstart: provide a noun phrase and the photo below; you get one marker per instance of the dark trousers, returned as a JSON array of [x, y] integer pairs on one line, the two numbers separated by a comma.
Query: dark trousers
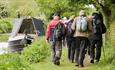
[[56, 49], [69, 46], [73, 48], [80, 44], [95, 44]]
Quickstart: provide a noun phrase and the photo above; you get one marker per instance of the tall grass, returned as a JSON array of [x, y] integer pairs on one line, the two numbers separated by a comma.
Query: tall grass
[[12, 62], [36, 52]]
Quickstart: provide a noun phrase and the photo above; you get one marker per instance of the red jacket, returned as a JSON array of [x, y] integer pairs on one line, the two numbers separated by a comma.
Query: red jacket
[[51, 24]]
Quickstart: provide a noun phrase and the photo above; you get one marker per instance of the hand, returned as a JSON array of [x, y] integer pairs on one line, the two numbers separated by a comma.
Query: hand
[[47, 41]]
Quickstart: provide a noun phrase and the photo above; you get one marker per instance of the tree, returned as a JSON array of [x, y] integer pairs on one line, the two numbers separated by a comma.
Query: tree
[[51, 7], [25, 7], [3, 10], [59, 7]]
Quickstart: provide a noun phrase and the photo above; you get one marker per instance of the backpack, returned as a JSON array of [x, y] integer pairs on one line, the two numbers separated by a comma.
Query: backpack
[[98, 25], [69, 30], [103, 28], [59, 31], [82, 25]]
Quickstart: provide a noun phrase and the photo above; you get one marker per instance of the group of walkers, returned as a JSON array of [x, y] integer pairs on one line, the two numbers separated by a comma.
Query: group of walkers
[[82, 34]]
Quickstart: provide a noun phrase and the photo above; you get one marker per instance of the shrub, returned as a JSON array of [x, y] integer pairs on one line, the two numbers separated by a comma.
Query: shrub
[[36, 52], [5, 25], [4, 11], [13, 62]]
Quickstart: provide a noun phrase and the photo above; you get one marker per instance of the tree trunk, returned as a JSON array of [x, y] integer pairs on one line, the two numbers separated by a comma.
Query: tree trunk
[[107, 35], [107, 13]]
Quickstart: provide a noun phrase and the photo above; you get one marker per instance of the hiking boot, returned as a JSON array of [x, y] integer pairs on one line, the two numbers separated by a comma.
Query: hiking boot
[[77, 64], [92, 61], [58, 63]]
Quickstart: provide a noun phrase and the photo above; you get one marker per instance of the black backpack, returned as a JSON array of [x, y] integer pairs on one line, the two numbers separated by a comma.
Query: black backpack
[[59, 31], [98, 25]]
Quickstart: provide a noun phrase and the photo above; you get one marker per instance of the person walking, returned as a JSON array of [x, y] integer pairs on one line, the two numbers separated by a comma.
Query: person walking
[[81, 27], [69, 39], [55, 34], [96, 36]]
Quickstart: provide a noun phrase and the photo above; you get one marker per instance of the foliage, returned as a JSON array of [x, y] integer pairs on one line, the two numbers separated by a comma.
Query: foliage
[[13, 62], [25, 7], [5, 25], [36, 52], [104, 6], [4, 11], [25, 11], [49, 7], [59, 7]]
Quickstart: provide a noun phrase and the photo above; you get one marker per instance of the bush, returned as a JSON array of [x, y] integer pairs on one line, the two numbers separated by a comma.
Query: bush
[[4, 12], [13, 62], [36, 52], [5, 25]]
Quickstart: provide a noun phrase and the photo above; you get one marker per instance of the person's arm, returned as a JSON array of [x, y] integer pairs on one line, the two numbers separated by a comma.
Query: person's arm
[[90, 28], [48, 31], [73, 26]]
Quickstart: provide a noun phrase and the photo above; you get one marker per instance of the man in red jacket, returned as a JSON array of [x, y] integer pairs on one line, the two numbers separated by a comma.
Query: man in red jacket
[[51, 24], [56, 44]]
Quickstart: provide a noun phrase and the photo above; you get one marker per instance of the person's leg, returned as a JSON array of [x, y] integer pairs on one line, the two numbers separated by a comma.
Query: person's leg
[[73, 49], [92, 51], [88, 47], [53, 52], [77, 49], [83, 46], [58, 52], [69, 48], [98, 50]]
